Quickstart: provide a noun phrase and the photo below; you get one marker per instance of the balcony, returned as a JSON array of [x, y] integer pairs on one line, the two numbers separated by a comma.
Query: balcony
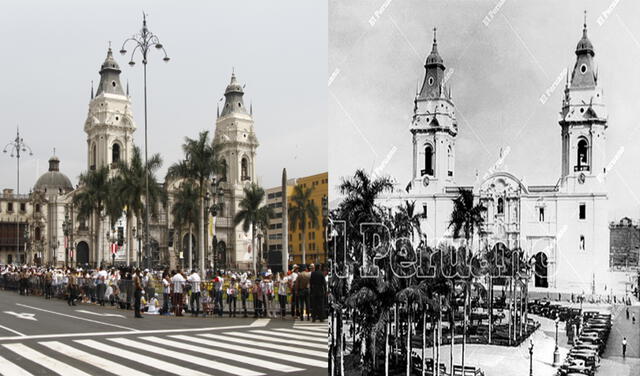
[[581, 168], [424, 172]]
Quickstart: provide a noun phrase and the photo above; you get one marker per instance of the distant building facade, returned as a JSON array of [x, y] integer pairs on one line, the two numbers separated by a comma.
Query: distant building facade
[[625, 245]]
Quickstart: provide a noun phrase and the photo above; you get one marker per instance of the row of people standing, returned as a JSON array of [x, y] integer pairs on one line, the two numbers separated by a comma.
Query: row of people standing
[[305, 292]]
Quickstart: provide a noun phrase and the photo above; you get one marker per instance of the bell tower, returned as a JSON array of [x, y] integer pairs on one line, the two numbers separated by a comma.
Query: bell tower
[[583, 122], [433, 128], [237, 143], [109, 125]]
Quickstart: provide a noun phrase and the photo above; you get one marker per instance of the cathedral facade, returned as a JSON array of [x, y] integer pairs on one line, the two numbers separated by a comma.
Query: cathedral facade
[[562, 227], [49, 230]]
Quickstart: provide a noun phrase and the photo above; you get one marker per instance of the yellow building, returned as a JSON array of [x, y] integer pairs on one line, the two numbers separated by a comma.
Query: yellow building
[[315, 246]]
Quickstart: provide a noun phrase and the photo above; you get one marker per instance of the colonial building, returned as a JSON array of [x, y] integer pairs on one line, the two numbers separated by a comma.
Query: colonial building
[[562, 226], [625, 245]]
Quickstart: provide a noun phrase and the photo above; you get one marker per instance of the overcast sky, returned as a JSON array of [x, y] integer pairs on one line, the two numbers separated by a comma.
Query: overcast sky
[[52, 50], [377, 51]]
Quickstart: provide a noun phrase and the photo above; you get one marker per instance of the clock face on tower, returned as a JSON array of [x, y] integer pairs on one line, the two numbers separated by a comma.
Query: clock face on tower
[[581, 178], [425, 181], [430, 80]]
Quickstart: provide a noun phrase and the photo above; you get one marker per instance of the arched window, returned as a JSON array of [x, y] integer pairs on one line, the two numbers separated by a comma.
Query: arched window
[[582, 247], [224, 170], [428, 161], [500, 205], [583, 155], [93, 157], [244, 169], [449, 161], [115, 153], [37, 234]]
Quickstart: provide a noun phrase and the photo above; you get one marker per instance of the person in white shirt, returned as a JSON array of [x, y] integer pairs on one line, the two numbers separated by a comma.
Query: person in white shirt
[[166, 293], [267, 291], [178, 282], [101, 280], [294, 290], [218, 283], [153, 306], [245, 289], [194, 301], [283, 284]]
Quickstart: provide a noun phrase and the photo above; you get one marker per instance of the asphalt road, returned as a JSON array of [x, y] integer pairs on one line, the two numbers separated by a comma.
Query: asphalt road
[[44, 337], [621, 327]]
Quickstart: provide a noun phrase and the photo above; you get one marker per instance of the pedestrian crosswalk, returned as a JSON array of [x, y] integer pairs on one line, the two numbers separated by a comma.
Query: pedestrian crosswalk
[[250, 351]]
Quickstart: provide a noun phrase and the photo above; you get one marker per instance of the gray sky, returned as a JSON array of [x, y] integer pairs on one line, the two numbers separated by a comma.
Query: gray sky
[[53, 49], [500, 71]]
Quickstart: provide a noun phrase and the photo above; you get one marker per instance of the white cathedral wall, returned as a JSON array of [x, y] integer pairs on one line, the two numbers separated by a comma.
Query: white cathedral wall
[[577, 269]]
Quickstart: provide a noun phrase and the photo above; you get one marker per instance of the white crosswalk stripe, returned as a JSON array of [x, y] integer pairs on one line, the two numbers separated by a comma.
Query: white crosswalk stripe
[[94, 360], [10, 369], [53, 364], [223, 354], [248, 342], [186, 357], [130, 355], [269, 338], [287, 335], [270, 354], [303, 332], [251, 352]]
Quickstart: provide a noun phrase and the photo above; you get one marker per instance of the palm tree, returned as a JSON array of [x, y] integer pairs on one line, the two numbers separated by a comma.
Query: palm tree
[[91, 199], [129, 187], [466, 217], [185, 212], [253, 214], [201, 163], [406, 222], [301, 211]]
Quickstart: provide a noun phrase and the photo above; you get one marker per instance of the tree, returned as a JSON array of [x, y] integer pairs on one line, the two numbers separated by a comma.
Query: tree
[[201, 163], [302, 211], [253, 214], [129, 188], [91, 199], [406, 222], [466, 217], [185, 212]]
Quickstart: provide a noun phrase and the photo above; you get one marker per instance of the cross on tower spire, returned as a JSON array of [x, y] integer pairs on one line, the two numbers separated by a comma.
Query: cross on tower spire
[[434, 34]]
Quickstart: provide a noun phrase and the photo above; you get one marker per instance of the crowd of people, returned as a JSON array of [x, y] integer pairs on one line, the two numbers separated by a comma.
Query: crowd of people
[[300, 292]]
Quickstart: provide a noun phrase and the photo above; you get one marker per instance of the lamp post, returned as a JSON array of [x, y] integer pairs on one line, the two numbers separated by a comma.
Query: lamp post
[[26, 242], [217, 194], [66, 228], [530, 357], [143, 42], [556, 352], [16, 147]]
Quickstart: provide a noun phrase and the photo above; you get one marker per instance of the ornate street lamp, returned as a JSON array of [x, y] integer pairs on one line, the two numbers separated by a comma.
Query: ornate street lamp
[[144, 42], [16, 147], [216, 193], [556, 352], [530, 357]]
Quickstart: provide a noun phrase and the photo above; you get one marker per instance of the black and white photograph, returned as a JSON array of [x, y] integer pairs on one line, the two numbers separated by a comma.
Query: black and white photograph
[[483, 187]]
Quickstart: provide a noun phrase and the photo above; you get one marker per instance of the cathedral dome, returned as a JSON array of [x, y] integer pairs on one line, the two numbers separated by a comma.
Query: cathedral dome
[[434, 58], [110, 63], [234, 86], [584, 45], [53, 180]]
